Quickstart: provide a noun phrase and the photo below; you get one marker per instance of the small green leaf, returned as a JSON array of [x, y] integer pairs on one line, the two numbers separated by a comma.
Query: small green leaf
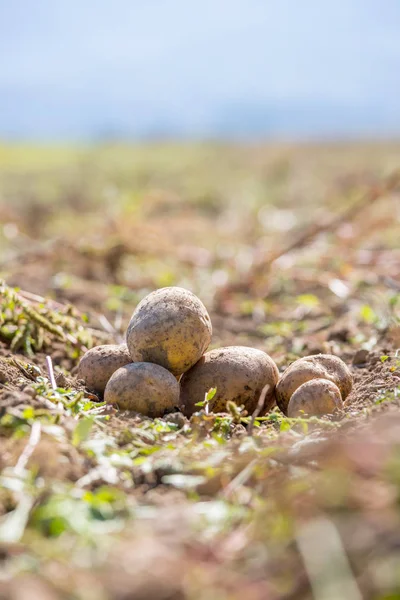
[[28, 413], [368, 314], [82, 431], [209, 396], [308, 300], [285, 426]]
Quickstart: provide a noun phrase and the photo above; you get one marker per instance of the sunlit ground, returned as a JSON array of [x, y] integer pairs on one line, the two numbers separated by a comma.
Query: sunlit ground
[[294, 250]]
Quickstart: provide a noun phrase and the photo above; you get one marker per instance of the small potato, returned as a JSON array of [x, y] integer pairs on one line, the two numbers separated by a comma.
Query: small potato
[[315, 398], [319, 366], [144, 388], [239, 374], [170, 327], [99, 363]]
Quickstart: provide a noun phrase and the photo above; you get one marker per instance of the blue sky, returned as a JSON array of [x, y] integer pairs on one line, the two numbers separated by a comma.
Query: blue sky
[[82, 69]]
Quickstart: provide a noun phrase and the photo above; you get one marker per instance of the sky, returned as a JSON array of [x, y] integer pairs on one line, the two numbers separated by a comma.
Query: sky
[[93, 69]]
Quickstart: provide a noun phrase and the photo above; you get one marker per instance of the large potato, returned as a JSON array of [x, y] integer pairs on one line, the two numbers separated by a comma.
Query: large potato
[[239, 374], [315, 398], [144, 388], [99, 363], [170, 327], [319, 366]]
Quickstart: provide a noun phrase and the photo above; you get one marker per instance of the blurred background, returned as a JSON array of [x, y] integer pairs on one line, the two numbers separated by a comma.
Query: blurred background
[[190, 143]]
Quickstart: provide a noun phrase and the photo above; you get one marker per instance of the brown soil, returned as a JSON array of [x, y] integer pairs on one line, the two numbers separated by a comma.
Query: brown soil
[[201, 226]]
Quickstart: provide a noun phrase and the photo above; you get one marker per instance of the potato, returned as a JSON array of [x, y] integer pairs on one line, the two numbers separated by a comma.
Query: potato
[[319, 366], [239, 374], [315, 397], [99, 363], [144, 388], [170, 327]]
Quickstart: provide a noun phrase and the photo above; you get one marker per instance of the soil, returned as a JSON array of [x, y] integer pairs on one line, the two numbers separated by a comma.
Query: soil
[[205, 507]]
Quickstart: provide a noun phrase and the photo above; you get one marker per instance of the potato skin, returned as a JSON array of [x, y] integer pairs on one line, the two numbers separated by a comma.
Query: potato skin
[[239, 374], [144, 388], [98, 364], [170, 327], [316, 397], [318, 366]]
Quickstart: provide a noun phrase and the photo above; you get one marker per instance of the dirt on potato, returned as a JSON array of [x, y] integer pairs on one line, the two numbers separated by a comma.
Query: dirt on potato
[[237, 373], [143, 387], [303, 370], [170, 327]]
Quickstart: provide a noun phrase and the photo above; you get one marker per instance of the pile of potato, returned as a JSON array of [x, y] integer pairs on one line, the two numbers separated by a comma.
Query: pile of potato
[[164, 366]]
